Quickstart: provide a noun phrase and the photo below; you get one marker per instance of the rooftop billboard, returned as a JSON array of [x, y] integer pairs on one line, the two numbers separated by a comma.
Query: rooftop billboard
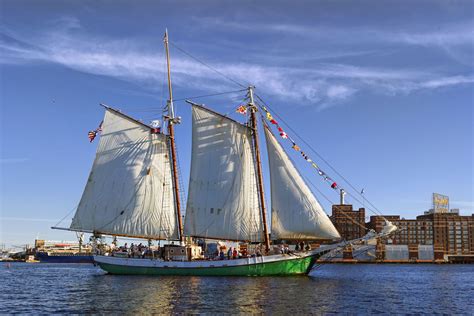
[[440, 203]]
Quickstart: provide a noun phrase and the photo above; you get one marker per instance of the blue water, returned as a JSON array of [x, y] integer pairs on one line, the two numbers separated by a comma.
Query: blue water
[[334, 288]]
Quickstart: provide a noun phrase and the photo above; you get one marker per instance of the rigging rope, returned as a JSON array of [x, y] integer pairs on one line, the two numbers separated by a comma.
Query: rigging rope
[[209, 95], [163, 190], [204, 64], [243, 110], [374, 210], [163, 84], [69, 213], [312, 184], [333, 203]]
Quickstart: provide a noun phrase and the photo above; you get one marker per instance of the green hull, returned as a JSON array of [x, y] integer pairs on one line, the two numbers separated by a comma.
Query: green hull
[[294, 266]]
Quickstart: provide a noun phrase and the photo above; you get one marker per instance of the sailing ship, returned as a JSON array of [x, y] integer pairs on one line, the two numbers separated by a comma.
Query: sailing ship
[[133, 191]]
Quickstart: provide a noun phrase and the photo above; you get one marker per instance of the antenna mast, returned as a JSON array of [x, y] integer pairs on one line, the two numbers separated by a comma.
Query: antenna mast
[[253, 122], [171, 121]]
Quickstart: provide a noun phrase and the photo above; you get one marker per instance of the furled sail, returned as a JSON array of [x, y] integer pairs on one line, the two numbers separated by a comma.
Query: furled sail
[[296, 213], [222, 197], [129, 191]]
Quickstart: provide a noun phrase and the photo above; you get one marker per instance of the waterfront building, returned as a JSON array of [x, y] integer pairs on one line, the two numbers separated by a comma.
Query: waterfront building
[[453, 232], [377, 222], [410, 231], [449, 232], [350, 223], [440, 234]]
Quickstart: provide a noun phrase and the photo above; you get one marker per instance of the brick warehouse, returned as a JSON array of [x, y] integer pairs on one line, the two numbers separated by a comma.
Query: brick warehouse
[[453, 232], [449, 233], [348, 222]]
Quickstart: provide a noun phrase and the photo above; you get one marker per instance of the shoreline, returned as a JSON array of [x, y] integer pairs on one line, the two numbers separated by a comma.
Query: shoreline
[[354, 261]]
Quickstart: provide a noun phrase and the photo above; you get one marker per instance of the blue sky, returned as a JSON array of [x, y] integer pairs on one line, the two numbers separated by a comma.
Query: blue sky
[[381, 89]]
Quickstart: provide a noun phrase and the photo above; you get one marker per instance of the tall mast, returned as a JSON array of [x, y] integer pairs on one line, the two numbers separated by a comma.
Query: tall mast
[[172, 120], [253, 121]]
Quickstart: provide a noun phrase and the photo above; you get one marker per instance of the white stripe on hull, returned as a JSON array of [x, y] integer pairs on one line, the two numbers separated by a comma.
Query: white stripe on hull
[[155, 263]]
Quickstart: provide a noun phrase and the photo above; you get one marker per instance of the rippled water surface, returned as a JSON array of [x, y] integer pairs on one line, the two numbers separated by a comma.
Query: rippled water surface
[[333, 288]]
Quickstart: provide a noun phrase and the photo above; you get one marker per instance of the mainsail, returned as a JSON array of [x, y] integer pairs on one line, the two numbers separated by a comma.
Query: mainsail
[[296, 213], [222, 197], [129, 190]]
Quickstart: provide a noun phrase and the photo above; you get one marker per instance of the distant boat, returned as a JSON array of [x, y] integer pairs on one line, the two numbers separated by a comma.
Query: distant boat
[[63, 252], [52, 257], [4, 255], [133, 191]]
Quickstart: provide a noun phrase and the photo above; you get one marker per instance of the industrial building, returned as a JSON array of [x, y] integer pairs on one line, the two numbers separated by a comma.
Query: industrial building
[[440, 234]]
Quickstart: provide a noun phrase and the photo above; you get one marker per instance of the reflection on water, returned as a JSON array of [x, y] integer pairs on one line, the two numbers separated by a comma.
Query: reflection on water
[[62, 288]]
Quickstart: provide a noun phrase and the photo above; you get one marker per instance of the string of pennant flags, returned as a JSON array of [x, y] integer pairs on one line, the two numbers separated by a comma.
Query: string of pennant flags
[[243, 110]]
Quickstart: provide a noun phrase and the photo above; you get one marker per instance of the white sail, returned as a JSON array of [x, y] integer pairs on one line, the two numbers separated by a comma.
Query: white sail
[[296, 213], [222, 197], [129, 191]]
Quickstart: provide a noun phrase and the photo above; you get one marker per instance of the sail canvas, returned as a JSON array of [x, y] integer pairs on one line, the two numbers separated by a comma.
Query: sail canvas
[[296, 213], [129, 190], [222, 197]]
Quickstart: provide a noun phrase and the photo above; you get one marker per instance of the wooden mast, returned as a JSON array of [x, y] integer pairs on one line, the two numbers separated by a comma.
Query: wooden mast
[[172, 120], [253, 122]]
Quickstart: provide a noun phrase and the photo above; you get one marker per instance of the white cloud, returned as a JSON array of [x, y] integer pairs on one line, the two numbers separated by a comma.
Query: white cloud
[[322, 84], [461, 33], [447, 81], [450, 35], [456, 40], [339, 92]]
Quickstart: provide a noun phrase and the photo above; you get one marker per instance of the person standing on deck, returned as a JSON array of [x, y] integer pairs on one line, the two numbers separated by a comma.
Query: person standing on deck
[[235, 254]]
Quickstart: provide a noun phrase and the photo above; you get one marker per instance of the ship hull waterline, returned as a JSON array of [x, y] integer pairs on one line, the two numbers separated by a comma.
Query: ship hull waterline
[[274, 265]]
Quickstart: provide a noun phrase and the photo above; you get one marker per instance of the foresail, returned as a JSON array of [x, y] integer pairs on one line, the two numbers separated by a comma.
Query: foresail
[[222, 196], [296, 213], [129, 190]]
